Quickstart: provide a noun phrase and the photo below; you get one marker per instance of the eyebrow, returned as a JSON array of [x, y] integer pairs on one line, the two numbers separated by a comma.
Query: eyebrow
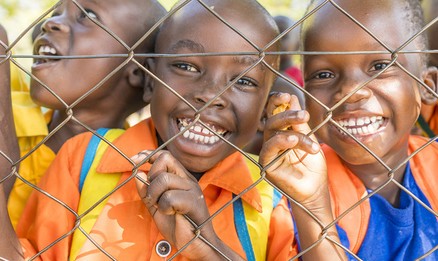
[[187, 44], [248, 61]]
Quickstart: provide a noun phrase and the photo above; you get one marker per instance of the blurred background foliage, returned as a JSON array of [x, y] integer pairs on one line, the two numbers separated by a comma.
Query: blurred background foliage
[[17, 16]]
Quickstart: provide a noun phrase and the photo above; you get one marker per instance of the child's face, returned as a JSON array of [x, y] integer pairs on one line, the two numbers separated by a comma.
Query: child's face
[[69, 32], [382, 113], [235, 114]]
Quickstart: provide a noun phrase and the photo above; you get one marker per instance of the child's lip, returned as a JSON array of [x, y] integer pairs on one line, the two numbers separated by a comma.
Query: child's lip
[[46, 51]]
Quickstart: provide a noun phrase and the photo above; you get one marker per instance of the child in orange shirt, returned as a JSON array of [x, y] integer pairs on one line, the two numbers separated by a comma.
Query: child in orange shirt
[[115, 84]]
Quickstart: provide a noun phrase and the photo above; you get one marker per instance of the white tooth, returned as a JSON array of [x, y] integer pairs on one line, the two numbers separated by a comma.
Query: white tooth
[[201, 138], [351, 123], [359, 131], [367, 120], [371, 128], [350, 131], [365, 130], [198, 128], [360, 121], [379, 118], [186, 134], [373, 119], [376, 125], [40, 51], [52, 51], [206, 139], [192, 135], [205, 131], [46, 49], [197, 137], [354, 131]]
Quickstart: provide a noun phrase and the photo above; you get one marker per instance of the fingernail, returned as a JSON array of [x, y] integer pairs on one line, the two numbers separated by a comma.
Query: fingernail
[[292, 138]]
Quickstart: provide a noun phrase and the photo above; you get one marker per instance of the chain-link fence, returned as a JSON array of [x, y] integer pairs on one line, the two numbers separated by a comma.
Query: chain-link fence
[[350, 128]]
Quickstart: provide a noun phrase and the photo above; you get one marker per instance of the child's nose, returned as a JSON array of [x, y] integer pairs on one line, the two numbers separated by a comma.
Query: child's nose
[[208, 93], [55, 24], [354, 89]]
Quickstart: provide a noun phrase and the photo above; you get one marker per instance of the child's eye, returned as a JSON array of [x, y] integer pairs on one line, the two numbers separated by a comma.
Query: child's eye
[[379, 66], [186, 67], [324, 75], [91, 14], [244, 81]]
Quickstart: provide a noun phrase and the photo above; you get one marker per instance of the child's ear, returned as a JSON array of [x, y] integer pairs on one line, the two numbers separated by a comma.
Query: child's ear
[[148, 85], [262, 121], [430, 78], [135, 75]]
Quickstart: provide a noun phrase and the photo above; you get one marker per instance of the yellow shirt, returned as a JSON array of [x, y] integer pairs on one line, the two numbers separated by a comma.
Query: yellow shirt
[[31, 128]]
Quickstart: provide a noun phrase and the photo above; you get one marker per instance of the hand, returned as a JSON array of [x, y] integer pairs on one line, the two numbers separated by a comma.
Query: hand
[[301, 172], [172, 198]]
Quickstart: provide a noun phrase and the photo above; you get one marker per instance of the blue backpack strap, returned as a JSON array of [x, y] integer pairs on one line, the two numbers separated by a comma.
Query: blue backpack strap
[[276, 198], [242, 230], [89, 155]]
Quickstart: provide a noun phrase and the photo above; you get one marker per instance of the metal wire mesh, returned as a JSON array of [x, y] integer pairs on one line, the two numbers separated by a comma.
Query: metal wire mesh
[[130, 55]]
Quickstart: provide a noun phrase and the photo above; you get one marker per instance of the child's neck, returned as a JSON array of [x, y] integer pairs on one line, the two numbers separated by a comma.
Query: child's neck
[[72, 128]]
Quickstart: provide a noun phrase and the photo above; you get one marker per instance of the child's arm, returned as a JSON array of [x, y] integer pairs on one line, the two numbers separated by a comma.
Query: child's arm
[[301, 174], [8, 138], [173, 195], [10, 248]]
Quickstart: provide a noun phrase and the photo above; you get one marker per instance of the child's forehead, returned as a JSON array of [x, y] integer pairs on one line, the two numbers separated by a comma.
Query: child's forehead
[[198, 30], [331, 23]]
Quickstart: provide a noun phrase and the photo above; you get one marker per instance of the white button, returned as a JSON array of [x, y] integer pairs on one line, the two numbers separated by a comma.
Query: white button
[[163, 248]]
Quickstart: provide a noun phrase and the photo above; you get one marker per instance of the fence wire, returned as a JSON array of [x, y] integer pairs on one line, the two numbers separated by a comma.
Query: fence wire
[[130, 55]]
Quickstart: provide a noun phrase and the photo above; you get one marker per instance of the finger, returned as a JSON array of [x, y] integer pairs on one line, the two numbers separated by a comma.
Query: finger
[[182, 202], [283, 141], [164, 182], [142, 156], [286, 119], [302, 127], [164, 161], [141, 183], [276, 100]]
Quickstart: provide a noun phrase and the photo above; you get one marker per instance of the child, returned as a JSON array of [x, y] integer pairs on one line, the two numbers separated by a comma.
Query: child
[[389, 225], [69, 32], [197, 174], [8, 140]]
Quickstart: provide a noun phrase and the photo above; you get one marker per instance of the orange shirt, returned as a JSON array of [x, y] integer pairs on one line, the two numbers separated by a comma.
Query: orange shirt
[[124, 228]]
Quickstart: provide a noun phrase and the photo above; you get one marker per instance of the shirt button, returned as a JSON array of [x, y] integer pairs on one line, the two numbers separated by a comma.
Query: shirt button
[[163, 248]]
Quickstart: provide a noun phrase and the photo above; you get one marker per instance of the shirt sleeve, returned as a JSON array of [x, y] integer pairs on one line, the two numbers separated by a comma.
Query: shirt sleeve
[[49, 218]]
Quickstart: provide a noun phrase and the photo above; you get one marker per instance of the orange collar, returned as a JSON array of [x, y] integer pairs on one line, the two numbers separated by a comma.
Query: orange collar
[[231, 174]]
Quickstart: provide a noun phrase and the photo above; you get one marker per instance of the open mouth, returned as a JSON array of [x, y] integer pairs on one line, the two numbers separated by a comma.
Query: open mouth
[[46, 50], [362, 126], [200, 134]]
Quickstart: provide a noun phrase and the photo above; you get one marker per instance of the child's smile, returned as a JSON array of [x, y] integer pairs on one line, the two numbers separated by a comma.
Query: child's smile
[[362, 127], [200, 134]]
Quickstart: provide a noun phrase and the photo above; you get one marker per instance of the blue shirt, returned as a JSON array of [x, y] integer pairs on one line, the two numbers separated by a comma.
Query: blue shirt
[[404, 233]]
